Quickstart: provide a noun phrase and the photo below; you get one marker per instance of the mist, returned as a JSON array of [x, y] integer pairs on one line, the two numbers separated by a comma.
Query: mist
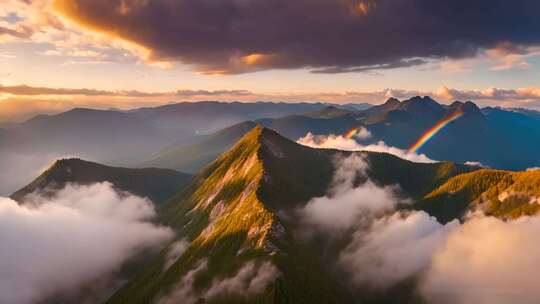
[[19, 169], [80, 235], [251, 279]]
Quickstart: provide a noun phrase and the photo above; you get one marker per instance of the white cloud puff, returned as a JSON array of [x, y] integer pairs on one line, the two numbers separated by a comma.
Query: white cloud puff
[[346, 203], [55, 245], [394, 248], [487, 260], [348, 144]]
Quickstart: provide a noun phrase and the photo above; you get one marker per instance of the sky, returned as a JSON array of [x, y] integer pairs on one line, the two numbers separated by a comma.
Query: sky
[[59, 54]]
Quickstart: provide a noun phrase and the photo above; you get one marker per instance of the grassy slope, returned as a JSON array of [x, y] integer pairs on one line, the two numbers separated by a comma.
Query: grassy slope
[[232, 213], [156, 184], [483, 188], [222, 215], [232, 206]]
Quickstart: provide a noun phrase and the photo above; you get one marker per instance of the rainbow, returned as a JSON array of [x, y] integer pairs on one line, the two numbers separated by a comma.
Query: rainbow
[[434, 130], [351, 133]]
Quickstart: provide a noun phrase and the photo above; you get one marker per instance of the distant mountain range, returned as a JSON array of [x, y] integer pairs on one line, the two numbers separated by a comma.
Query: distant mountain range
[[187, 136], [119, 137], [238, 210], [494, 137]]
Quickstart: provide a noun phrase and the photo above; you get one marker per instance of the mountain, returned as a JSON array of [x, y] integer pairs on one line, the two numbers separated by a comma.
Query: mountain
[[234, 212], [156, 184], [505, 194], [205, 148], [356, 106], [194, 156], [494, 137], [329, 112], [122, 138]]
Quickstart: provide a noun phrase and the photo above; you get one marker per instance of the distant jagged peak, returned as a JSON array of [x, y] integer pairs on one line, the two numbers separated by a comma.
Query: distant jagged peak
[[465, 107], [421, 104], [392, 101]]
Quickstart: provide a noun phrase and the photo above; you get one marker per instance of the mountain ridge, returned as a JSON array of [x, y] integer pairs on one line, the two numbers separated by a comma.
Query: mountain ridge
[[156, 184]]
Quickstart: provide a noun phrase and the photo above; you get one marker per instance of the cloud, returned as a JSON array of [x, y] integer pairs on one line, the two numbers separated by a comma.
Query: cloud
[[29, 90], [176, 250], [189, 93], [346, 203], [55, 245], [342, 143], [395, 248], [240, 36], [184, 291], [482, 260], [20, 102], [486, 260], [475, 164], [251, 279]]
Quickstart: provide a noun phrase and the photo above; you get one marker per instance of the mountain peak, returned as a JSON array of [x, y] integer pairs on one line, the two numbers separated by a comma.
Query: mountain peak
[[465, 107], [156, 184], [392, 101], [421, 105]]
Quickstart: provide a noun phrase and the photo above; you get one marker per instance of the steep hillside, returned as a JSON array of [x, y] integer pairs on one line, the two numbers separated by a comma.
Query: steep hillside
[[232, 214], [156, 184], [503, 194]]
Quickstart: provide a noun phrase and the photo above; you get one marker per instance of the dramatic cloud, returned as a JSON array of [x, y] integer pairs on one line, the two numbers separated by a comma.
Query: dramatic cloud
[[55, 245], [342, 143], [326, 35]]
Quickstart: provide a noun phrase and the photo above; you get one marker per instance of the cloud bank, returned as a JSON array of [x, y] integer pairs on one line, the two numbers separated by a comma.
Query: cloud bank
[[482, 260], [55, 245], [348, 144]]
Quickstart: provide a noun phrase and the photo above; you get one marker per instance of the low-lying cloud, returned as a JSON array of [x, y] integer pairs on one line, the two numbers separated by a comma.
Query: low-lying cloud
[[394, 248], [53, 246], [251, 279], [348, 144], [486, 260], [176, 250], [345, 203], [482, 260]]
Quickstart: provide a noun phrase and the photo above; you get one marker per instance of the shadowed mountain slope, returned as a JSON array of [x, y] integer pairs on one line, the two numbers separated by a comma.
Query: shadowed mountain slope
[[156, 184]]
